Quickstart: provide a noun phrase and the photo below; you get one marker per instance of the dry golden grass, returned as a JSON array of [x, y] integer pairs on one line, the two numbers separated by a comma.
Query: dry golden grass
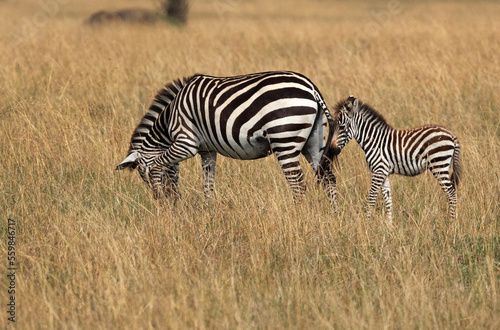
[[96, 251]]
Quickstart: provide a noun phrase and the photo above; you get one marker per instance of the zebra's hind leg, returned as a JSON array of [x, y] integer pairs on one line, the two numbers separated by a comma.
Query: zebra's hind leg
[[295, 179], [386, 191], [208, 161], [378, 179], [290, 166], [325, 176], [444, 179], [329, 183], [313, 152], [451, 193]]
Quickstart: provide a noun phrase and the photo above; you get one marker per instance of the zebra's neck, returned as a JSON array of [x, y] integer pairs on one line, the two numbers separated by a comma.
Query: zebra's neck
[[149, 154]]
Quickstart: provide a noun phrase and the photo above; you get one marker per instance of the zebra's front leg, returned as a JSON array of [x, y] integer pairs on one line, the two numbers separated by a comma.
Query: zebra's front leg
[[178, 151], [156, 181], [386, 191], [208, 161], [170, 181], [378, 179]]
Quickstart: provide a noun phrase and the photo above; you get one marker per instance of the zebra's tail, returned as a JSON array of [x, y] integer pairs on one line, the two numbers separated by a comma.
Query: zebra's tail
[[328, 157], [455, 176]]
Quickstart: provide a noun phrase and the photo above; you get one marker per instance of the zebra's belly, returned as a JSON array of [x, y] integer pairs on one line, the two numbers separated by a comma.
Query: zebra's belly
[[254, 148], [258, 147], [409, 168]]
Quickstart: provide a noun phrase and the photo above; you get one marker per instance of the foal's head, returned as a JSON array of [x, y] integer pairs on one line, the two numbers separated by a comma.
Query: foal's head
[[345, 111]]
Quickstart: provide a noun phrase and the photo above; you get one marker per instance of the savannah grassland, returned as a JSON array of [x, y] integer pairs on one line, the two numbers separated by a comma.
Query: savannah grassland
[[96, 251]]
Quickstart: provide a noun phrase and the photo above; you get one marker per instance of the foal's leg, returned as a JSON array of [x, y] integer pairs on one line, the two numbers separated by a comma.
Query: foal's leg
[[378, 179], [386, 191], [442, 174], [208, 160]]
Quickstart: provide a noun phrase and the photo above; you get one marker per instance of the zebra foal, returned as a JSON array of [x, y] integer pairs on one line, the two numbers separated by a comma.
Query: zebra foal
[[391, 151], [242, 117]]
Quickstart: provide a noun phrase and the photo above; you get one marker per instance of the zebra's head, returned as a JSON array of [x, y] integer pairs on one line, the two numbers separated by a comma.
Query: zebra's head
[[345, 111], [150, 173], [135, 160]]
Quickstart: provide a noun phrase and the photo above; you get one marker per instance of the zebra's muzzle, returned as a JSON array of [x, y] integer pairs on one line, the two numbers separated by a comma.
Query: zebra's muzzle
[[336, 151]]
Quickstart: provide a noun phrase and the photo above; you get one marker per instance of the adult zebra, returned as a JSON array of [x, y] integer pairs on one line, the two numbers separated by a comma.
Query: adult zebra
[[406, 152], [242, 117]]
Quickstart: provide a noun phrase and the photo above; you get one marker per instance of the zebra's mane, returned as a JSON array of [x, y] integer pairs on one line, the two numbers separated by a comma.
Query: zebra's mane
[[340, 105], [365, 109], [160, 103]]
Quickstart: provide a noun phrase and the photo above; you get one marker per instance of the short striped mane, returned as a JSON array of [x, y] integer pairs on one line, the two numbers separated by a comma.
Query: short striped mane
[[160, 103], [340, 105], [364, 109]]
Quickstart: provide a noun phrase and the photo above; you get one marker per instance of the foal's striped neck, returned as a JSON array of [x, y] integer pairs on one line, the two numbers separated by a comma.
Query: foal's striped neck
[[369, 121]]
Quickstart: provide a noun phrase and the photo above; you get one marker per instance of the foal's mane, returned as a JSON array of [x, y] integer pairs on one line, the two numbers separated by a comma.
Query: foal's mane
[[364, 109]]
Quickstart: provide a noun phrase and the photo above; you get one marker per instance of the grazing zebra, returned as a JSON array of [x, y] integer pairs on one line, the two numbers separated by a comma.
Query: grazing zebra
[[242, 117], [406, 152]]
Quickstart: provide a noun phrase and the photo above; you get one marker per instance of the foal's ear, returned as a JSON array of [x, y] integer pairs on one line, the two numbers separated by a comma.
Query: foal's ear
[[129, 161], [352, 103], [355, 104]]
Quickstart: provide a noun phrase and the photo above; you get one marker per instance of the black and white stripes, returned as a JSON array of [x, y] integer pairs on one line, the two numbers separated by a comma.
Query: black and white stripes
[[243, 117], [391, 151]]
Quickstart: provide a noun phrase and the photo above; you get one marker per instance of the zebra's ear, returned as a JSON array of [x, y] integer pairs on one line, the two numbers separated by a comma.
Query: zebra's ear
[[129, 161], [351, 103], [355, 104]]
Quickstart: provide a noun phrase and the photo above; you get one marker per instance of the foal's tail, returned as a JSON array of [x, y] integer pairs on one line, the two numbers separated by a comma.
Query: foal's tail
[[455, 176]]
